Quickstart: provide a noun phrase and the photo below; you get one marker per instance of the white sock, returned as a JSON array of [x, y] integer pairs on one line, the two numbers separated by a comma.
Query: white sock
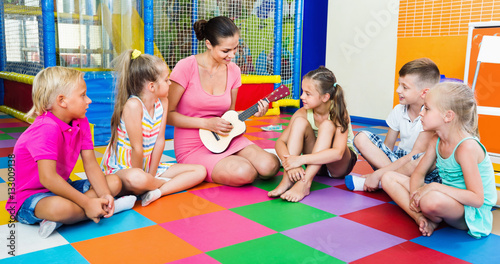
[[124, 203], [163, 178], [356, 183], [47, 227], [150, 197], [273, 151]]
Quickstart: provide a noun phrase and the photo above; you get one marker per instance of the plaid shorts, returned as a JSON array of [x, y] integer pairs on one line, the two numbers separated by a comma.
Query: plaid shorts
[[433, 176]]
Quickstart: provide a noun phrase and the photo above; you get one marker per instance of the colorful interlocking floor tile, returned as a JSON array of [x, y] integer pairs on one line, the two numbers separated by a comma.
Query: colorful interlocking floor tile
[[219, 224]]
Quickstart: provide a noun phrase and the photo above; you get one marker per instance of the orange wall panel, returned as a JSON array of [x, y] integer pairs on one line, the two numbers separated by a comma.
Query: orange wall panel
[[489, 128], [448, 52]]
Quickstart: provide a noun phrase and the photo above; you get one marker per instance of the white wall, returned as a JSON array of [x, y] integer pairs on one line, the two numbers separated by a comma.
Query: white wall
[[361, 51]]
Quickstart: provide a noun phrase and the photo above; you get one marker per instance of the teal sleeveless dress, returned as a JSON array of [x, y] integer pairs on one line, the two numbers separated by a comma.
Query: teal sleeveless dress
[[479, 220]]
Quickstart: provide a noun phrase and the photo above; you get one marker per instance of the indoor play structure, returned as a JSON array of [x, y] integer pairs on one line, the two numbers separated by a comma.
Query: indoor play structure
[[87, 35]]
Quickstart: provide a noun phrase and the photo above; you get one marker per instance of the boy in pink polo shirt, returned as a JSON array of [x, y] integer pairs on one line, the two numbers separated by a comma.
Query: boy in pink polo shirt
[[46, 153]]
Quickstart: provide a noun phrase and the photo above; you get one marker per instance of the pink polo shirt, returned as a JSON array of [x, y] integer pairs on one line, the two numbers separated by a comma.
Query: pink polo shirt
[[48, 138]]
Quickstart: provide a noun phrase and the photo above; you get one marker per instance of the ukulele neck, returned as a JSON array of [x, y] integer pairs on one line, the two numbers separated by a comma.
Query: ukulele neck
[[250, 111]]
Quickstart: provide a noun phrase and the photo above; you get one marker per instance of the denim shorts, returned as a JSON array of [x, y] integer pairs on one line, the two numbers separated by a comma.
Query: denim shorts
[[26, 213], [433, 176]]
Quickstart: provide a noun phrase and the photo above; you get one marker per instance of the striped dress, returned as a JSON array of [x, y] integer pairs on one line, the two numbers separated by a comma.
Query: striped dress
[[120, 157]]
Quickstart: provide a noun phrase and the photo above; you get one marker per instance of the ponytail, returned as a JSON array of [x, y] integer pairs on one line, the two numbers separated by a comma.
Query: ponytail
[[338, 113], [474, 123], [199, 29]]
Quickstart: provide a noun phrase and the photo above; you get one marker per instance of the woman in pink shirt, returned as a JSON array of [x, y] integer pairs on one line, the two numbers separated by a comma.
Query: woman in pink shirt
[[204, 87]]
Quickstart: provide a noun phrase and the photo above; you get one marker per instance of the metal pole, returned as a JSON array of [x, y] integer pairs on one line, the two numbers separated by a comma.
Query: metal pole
[[49, 33], [90, 12], [3, 51], [149, 33], [278, 38], [475, 76], [194, 18], [297, 48]]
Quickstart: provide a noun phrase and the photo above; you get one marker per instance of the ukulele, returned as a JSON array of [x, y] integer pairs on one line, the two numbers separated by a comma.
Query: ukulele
[[218, 143]]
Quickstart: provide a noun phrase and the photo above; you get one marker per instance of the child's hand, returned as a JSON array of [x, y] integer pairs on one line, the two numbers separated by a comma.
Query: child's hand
[[371, 182], [422, 191], [220, 126], [296, 174], [415, 200], [413, 204], [94, 209], [418, 194], [291, 161], [110, 207], [263, 107]]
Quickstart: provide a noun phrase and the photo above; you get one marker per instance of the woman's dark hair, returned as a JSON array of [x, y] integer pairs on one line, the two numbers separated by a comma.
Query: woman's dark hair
[[215, 29]]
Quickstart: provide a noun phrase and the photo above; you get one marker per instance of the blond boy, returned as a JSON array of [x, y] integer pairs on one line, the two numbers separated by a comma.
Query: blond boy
[[415, 79]]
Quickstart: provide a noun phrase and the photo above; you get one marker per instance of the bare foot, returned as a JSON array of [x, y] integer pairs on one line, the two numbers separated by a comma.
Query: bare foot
[[426, 226], [299, 190], [284, 185]]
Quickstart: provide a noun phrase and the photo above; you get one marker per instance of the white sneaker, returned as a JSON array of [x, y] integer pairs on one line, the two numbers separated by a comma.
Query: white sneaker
[[47, 228], [150, 197]]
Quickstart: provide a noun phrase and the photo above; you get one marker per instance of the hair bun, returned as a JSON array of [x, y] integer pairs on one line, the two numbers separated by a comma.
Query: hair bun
[[199, 29]]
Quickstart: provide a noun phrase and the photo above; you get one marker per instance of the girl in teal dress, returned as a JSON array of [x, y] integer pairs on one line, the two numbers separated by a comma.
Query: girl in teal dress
[[465, 198]]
